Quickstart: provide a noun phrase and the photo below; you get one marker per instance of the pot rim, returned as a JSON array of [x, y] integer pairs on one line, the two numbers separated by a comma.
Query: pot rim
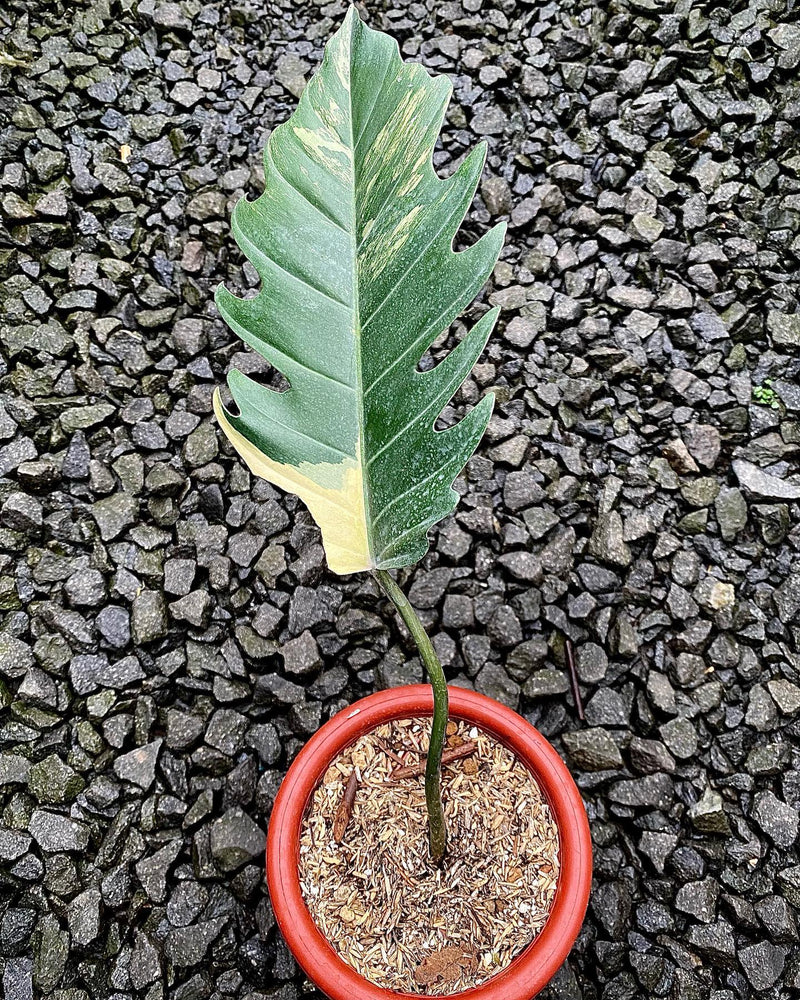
[[529, 972]]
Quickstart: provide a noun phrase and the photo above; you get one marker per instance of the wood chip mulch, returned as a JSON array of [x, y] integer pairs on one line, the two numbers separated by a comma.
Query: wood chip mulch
[[402, 923]]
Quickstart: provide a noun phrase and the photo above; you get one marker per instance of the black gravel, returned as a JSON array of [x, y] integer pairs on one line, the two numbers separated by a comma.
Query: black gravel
[[170, 635]]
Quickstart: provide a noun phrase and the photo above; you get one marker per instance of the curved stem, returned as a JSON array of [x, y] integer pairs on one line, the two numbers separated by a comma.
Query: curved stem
[[437, 830]]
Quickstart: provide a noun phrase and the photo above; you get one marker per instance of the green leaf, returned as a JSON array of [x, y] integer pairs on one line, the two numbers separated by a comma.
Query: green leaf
[[352, 239]]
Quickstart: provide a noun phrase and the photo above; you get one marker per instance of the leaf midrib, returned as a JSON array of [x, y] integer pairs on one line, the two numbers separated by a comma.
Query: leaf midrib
[[356, 299]]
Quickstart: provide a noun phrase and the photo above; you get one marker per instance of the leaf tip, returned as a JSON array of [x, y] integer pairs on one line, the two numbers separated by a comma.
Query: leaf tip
[[351, 17]]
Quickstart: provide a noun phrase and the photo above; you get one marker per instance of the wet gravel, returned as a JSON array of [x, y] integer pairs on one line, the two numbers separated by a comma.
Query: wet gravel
[[170, 635]]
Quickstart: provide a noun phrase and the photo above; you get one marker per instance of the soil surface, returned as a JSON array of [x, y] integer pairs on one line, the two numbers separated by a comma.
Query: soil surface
[[170, 635], [402, 922]]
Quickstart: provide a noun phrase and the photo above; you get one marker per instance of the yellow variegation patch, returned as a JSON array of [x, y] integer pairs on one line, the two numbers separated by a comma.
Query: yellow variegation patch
[[333, 493]]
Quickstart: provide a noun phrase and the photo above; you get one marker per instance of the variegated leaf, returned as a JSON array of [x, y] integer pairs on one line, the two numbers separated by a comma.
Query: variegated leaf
[[352, 239]]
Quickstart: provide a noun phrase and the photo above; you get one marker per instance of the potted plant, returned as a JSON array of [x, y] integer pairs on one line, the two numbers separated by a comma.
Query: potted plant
[[352, 239]]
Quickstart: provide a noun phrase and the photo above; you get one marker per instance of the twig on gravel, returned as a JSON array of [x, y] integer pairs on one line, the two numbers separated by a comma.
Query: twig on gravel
[[573, 676]]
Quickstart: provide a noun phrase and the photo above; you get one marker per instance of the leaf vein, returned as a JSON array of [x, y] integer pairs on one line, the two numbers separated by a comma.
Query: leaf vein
[[303, 195], [415, 419], [368, 118], [293, 430], [256, 253], [388, 200], [411, 266], [414, 343], [404, 494], [431, 519], [278, 354]]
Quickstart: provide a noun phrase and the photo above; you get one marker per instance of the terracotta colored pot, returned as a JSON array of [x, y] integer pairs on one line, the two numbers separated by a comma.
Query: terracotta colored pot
[[534, 967]]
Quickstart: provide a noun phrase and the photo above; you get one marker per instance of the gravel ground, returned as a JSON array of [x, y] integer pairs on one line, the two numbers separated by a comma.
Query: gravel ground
[[170, 634]]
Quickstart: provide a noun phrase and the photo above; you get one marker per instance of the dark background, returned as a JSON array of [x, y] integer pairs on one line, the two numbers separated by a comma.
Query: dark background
[[170, 634]]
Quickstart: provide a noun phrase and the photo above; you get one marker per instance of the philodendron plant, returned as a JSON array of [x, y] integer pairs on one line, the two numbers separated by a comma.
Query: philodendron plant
[[352, 240]]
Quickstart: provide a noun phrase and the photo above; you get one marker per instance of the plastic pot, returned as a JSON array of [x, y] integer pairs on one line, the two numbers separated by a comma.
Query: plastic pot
[[534, 967]]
